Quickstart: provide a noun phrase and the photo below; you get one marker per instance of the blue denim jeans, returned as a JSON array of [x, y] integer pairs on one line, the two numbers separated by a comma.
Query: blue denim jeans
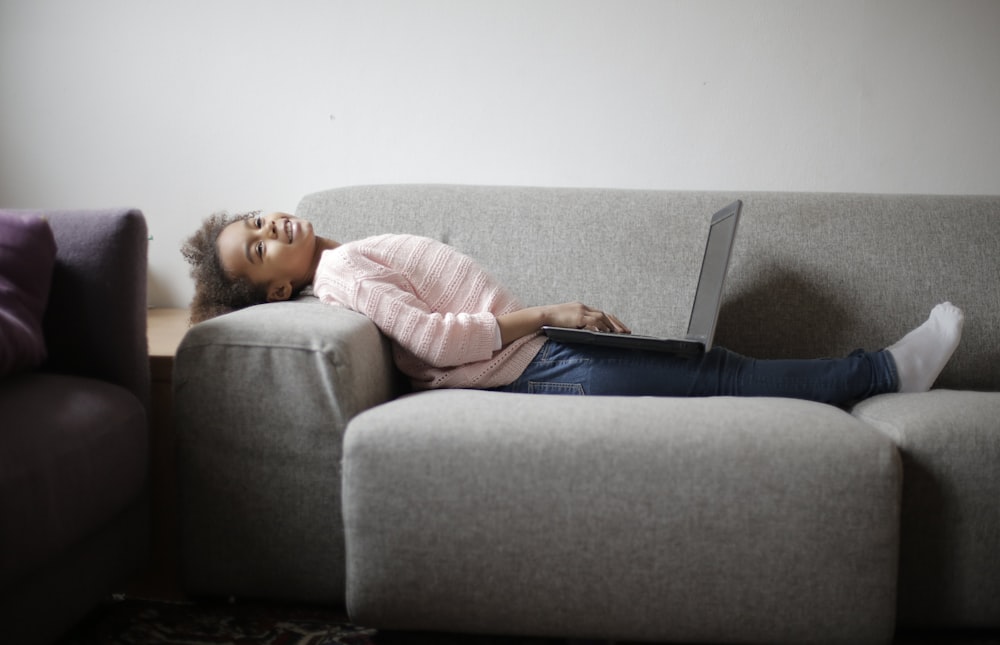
[[561, 368]]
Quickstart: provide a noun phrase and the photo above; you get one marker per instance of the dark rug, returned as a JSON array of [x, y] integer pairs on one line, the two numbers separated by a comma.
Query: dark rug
[[130, 621], [133, 621]]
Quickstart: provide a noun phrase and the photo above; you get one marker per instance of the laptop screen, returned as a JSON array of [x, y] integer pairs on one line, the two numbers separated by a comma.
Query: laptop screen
[[708, 296]]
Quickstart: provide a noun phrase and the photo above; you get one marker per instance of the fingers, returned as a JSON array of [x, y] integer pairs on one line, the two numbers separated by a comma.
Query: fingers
[[619, 326], [580, 316], [597, 320]]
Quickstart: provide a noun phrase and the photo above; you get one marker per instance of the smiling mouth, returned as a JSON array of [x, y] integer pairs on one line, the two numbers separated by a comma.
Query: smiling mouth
[[288, 230]]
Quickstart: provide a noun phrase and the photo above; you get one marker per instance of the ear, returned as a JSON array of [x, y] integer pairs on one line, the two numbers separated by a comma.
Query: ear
[[279, 291]]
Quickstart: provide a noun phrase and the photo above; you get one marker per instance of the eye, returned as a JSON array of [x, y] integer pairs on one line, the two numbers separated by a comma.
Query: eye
[[257, 222], [259, 248]]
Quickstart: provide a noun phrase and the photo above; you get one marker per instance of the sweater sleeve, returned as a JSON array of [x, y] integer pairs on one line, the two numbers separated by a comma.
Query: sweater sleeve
[[439, 339]]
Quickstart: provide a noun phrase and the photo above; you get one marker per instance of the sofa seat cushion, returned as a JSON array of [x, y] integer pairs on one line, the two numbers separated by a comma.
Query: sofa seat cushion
[[949, 556], [73, 454], [760, 520]]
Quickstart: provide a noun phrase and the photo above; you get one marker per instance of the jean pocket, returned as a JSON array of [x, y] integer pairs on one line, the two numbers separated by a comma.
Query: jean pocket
[[574, 389]]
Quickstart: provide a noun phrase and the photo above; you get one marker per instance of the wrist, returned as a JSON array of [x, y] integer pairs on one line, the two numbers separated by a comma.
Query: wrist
[[521, 323], [544, 316]]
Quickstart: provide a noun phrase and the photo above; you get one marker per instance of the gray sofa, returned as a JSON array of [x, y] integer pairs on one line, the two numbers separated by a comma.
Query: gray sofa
[[307, 471], [74, 434]]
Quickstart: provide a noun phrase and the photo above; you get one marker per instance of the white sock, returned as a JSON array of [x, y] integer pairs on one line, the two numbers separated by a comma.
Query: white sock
[[922, 354]]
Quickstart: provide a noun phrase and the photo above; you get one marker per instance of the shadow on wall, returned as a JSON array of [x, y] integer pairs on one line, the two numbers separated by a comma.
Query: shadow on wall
[[782, 313]]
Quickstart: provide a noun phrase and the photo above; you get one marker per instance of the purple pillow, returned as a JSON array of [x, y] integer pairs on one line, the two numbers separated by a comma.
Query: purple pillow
[[27, 258]]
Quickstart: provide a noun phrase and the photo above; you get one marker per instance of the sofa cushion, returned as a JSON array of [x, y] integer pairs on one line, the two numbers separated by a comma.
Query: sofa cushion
[[27, 255], [73, 455], [949, 561], [812, 274], [705, 520]]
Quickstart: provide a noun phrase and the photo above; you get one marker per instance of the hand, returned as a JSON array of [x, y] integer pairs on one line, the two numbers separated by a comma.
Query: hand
[[577, 315], [571, 314]]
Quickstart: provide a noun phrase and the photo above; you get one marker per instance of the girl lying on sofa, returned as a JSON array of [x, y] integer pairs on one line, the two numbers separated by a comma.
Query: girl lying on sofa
[[452, 325]]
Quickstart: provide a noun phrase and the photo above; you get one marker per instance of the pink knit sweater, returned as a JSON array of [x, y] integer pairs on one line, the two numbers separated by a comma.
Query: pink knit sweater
[[438, 307]]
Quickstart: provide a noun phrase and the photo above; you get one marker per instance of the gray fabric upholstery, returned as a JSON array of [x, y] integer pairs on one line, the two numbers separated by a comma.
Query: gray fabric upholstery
[[812, 274], [671, 519], [263, 398], [949, 557]]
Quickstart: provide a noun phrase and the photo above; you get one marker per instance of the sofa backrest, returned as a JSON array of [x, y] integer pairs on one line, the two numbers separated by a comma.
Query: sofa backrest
[[812, 274], [95, 323]]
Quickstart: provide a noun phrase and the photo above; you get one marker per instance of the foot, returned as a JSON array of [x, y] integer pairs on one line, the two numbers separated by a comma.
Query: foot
[[922, 354]]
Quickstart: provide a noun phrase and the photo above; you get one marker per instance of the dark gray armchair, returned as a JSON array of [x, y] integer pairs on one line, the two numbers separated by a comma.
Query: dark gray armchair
[[74, 434]]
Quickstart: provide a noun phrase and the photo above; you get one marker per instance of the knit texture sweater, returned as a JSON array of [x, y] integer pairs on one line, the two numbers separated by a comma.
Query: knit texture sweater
[[437, 306]]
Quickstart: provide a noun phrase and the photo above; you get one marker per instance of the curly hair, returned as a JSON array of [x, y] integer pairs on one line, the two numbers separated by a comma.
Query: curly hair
[[216, 291]]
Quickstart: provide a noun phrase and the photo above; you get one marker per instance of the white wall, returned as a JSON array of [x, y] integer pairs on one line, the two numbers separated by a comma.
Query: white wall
[[183, 107]]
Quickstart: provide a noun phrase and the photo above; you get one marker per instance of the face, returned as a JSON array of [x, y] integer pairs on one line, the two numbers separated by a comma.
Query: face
[[276, 250]]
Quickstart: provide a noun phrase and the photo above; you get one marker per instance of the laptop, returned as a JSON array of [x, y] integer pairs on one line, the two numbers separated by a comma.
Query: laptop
[[704, 310]]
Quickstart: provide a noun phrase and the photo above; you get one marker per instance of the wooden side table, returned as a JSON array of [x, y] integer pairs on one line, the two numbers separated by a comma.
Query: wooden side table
[[165, 327]]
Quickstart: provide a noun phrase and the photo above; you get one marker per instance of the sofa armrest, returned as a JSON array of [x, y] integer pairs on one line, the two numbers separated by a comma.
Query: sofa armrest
[[261, 400], [303, 360], [95, 323]]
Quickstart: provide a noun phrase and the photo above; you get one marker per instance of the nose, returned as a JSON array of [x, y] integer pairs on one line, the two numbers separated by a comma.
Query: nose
[[269, 230]]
